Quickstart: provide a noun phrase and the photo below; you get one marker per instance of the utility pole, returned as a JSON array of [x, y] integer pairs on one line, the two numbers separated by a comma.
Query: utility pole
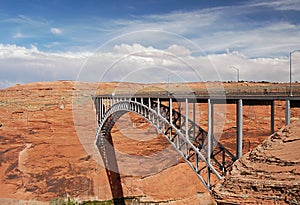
[[294, 51]]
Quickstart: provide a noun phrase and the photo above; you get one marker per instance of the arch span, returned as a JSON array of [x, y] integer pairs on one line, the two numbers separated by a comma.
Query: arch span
[[192, 142]]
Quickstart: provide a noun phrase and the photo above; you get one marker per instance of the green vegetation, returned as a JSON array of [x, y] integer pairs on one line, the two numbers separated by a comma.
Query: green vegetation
[[63, 201], [244, 173], [70, 201], [109, 202]]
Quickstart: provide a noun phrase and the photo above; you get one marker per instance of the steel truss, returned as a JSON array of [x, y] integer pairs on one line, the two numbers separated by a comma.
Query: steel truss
[[204, 154]]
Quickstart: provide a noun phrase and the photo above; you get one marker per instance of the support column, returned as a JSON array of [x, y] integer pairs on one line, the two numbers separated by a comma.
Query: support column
[[287, 112], [96, 102], [171, 110], [149, 107], [210, 130], [209, 140], [194, 120], [158, 112], [158, 106], [187, 126], [272, 117], [187, 119], [104, 107], [179, 120], [212, 122], [100, 109], [239, 128], [170, 116], [107, 103]]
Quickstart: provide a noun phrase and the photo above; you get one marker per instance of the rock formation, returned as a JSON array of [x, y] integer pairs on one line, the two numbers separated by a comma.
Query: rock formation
[[42, 156], [269, 174]]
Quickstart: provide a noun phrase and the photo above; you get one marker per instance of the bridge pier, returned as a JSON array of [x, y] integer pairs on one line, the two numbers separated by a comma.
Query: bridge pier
[[272, 117], [239, 128], [209, 129], [171, 116], [287, 112], [187, 118], [194, 120], [158, 112], [209, 138], [180, 113]]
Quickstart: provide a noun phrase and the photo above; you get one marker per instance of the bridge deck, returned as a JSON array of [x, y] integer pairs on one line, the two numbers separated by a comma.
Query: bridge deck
[[229, 98]]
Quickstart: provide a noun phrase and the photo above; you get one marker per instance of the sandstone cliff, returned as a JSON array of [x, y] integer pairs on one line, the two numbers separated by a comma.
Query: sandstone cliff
[[269, 174], [42, 156]]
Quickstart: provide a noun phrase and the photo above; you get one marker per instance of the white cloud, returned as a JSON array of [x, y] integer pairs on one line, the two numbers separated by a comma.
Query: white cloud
[[25, 20], [127, 49], [149, 47], [149, 64], [257, 69], [255, 28], [55, 31], [23, 65], [283, 5], [179, 50], [216, 29], [137, 63], [52, 44], [275, 39], [18, 35], [235, 27]]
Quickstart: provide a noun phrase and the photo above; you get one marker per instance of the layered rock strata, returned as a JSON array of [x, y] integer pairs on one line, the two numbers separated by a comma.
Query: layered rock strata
[[269, 174]]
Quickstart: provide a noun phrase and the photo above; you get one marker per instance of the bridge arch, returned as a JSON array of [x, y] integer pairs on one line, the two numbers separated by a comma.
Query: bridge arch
[[188, 139]]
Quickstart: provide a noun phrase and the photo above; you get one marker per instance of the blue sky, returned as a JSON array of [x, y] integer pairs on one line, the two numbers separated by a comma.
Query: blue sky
[[54, 40], [61, 25]]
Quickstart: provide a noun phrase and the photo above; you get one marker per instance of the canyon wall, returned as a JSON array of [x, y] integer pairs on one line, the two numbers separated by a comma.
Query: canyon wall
[[47, 147]]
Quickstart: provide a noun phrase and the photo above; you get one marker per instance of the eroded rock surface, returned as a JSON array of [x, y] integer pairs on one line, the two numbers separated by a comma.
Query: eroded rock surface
[[42, 155], [269, 174]]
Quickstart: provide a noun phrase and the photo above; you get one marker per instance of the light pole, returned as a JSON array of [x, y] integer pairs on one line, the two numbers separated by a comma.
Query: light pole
[[294, 51], [238, 72], [238, 76], [168, 82]]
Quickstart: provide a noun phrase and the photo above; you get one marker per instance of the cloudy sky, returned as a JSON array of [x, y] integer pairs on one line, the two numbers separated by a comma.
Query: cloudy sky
[[148, 41]]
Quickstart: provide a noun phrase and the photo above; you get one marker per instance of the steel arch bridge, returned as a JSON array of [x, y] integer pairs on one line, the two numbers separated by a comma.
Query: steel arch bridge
[[199, 148]]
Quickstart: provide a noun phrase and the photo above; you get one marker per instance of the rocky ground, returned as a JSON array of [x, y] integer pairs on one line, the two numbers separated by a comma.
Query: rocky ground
[[47, 146], [268, 174]]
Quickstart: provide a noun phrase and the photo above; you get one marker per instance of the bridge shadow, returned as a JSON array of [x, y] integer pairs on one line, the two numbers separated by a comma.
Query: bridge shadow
[[112, 170]]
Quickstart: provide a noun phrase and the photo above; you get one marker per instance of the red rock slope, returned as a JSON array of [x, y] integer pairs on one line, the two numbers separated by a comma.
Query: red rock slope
[[42, 157], [269, 174]]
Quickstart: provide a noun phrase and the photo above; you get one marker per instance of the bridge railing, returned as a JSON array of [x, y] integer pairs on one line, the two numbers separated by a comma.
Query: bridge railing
[[242, 89]]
